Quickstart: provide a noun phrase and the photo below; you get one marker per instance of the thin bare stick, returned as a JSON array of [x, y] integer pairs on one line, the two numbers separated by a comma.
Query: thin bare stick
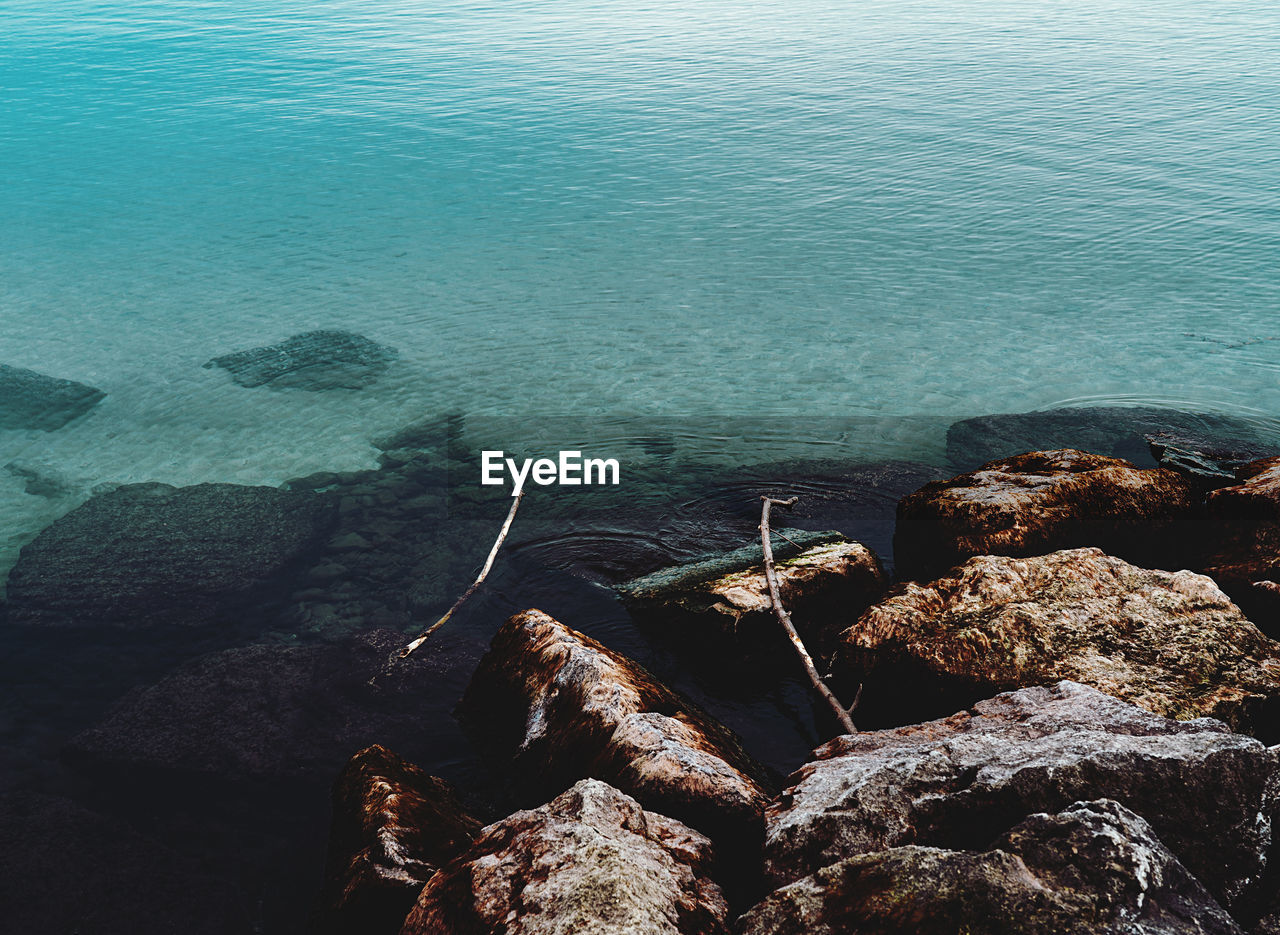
[[493, 553], [841, 713]]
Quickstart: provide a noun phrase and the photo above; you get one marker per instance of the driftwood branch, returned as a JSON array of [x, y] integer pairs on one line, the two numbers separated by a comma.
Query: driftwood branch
[[841, 713], [493, 554]]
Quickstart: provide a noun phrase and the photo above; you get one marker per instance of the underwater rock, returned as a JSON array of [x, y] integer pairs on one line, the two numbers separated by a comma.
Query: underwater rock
[[1094, 867], [566, 707], [1115, 431], [1209, 465], [1244, 549], [726, 598], [1041, 502], [151, 554], [592, 860], [66, 869], [1172, 643], [393, 827], [266, 712], [31, 400], [957, 782], [316, 360]]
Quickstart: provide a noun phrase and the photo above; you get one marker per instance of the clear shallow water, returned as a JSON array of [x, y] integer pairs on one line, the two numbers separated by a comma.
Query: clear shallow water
[[905, 213]]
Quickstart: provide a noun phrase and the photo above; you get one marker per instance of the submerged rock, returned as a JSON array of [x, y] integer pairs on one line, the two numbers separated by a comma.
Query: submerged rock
[[393, 827], [591, 861], [66, 869], [1041, 502], [956, 783], [727, 597], [152, 554], [1116, 431], [568, 707], [316, 360], [1172, 643], [1209, 465], [31, 400], [1095, 867], [265, 712]]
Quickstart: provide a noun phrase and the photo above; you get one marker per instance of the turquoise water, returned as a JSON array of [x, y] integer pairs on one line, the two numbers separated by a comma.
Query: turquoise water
[[896, 212]]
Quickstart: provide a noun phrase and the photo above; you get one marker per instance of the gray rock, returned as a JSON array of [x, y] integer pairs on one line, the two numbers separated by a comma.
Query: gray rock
[[1095, 867], [66, 869], [316, 360], [31, 400], [958, 782], [592, 861], [393, 827], [152, 554], [1117, 431]]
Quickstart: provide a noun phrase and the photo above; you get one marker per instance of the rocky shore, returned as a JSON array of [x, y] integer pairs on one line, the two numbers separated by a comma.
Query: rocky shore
[[1065, 658]]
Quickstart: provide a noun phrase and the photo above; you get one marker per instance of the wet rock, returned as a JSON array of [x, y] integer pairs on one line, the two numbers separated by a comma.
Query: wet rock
[[1041, 502], [31, 400], [1209, 465], [269, 712], [393, 827], [590, 861], [1244, 550], [151, 554], [726, 598], [1116, 431], [568, 707], [316, 360], [1095, 867], [956, 783], [1172, 643], [66, 869]]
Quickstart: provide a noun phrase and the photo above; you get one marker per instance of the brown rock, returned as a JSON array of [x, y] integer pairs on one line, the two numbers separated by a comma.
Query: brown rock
[[568, 707], [1172, 643], [1041, 502], [1245, 551], [592, 861], [393, 827], [1095, 867], [727, 602]]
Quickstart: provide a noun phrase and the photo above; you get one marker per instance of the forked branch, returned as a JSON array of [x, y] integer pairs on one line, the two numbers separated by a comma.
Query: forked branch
[[784, 618]]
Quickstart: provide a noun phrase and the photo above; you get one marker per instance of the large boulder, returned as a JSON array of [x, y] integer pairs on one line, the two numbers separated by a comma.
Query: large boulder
[[1095, 867], [1172, 643], [151, 554], [393, 827], [725, 599], [1116, 431], [66, 869], [316, 360], [567, 707], [31, 400], [1041, 502], [1211, 795], [592, 861], [1244, 547]]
